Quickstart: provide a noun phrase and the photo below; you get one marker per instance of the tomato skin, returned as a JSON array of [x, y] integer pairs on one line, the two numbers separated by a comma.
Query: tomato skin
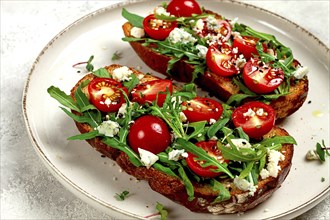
[[183, 8], [215, 36], [149, 133], [202, 109], [261, 78], [104, 93], [246, 45], [158, 33], [147, 92], [221, 62], [212, 149], [255, 125]]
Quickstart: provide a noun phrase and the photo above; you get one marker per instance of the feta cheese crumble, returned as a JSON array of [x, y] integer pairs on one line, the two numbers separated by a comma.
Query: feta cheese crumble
[[122, 74], [312, 155], [176, 154], [274, 157], [161, 11], [147, 158], [202, 50], [245, 185], [300, 72], [241, 143], [108, 128], [137, 32], [180, 35]]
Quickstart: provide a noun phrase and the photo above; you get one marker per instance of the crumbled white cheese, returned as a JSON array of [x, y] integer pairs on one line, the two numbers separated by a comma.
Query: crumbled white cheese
[[300, 72], [244, 185], [272, 168], [159, 10], [122, 74], [241, 61], [312, 155], [108, 128], [122, 111], [137, 32], [212, 121], [260, 112], [176, 154], [147, 158], [241, 143], [199, 25], [202, 50], [249, 113], [183, 117], [180, 35]]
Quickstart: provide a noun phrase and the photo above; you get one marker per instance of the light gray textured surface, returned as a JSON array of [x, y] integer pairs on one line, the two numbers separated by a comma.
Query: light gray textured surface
[[28, 190]]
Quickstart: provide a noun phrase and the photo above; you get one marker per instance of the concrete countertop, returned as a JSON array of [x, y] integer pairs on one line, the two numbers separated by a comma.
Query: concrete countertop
[[28, 190]]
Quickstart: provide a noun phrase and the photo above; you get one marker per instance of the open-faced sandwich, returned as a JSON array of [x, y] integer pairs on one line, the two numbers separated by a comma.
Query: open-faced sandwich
[[207, 156], [230, 60]]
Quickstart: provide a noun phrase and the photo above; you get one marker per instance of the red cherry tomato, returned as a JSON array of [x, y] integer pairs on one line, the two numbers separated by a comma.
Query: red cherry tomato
[[215, 34], [246, 45], [147, 92], [261, 78], [149, 133], [105, 94], [158, 29], [195, 165], [221, 62], [256, 118], [202, 109], [183, 8]]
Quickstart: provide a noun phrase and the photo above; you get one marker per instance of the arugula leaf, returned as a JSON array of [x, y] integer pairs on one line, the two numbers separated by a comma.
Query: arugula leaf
[[224, 194], [247, 170], [132, 82], [115, 143], [164, 169], [217, 126], [189, 186], [135, 20], [102, 73], [198, 128], [82, 102], [322, 151], [85, 136], [62, 98]]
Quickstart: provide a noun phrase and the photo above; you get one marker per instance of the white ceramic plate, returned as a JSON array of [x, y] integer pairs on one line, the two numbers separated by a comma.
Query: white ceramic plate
[[97, 180]]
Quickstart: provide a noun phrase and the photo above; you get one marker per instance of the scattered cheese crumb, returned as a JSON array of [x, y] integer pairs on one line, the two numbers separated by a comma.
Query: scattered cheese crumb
[[176, 154], [122, 74], [108, 128], [137, 32], [147, 158]]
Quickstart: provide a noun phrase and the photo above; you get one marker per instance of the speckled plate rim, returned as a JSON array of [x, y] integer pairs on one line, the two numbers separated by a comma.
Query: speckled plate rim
[[82, 193]]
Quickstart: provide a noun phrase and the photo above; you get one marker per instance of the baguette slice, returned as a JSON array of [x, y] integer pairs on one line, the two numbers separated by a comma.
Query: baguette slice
[[174, 189], [221, 87]]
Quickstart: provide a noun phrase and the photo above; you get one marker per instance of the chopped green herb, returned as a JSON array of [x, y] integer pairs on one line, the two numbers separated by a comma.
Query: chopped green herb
[[322, 179], [116, 56], [89, 65], [163, 212], [121, 196], [322, 151]]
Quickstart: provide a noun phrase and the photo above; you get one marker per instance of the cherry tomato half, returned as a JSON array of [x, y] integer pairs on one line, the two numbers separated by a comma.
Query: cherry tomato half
[[183, 8], [217, 33], [149, 133], [261, 78], [202, 109], [105, 94], [256, 118], [158, 29], [196, 165], [147, 92], [221, 62], [246, 45]]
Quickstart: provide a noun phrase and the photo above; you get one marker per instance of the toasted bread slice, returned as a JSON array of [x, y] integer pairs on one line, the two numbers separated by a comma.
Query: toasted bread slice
[[221, 87], [174, 188]]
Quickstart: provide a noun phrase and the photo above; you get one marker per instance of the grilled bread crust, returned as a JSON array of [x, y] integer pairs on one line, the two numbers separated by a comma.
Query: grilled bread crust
[[221, 87], [174, 189]]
